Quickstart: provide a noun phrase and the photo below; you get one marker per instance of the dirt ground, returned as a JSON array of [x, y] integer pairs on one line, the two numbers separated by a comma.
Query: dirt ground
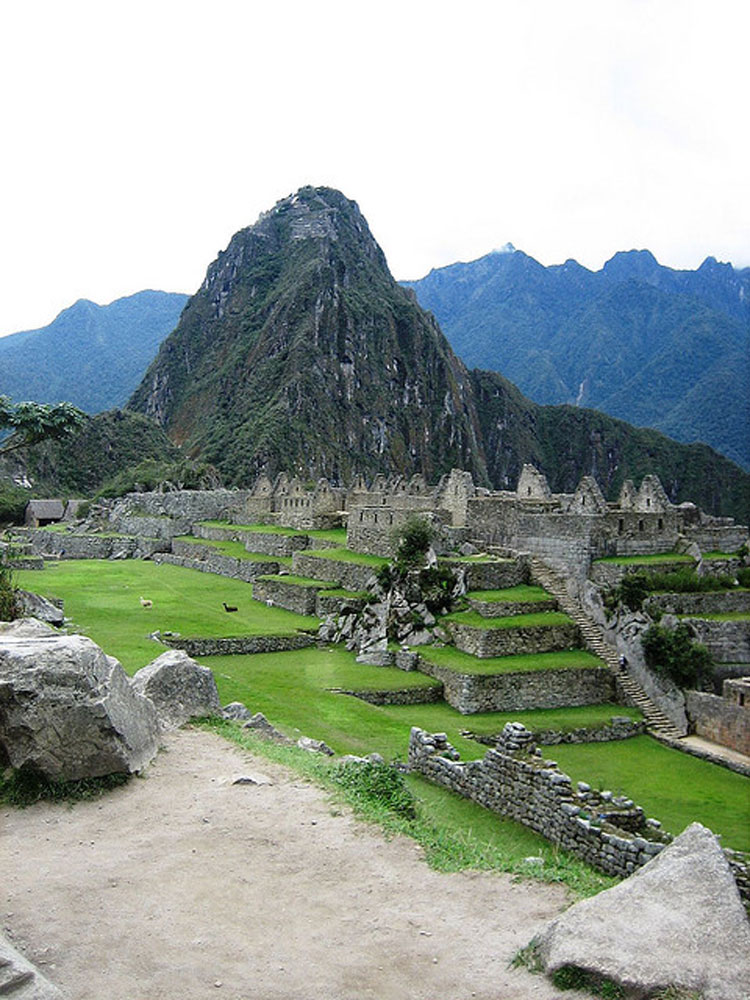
[[182, 885]]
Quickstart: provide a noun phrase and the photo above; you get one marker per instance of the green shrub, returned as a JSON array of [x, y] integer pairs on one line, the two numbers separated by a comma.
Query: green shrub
[[571, 977], [633, 590], [377, 785], [413, 540], [13, 502], [8, 600], [743, 576], [674, 653], [437, 585]]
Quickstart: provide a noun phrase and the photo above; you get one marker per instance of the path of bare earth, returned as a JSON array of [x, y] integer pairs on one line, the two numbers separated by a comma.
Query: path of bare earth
[[182, 885]]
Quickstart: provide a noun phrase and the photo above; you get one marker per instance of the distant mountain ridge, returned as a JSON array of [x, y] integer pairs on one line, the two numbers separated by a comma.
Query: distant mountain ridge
[[90, 355], [301, 354], [652, 345]]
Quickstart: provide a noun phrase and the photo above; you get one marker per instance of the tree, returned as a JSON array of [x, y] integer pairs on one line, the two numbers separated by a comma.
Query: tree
[[29, 423], [674, 652]]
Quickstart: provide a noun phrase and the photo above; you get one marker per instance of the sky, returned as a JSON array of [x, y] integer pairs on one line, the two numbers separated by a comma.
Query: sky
[[138, 137]]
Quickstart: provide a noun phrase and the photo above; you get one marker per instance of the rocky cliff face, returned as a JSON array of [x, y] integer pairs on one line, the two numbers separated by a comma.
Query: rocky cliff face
[[301, 353]]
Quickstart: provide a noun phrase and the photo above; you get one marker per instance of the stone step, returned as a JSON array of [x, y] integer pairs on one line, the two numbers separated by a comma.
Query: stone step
[[656, 720]]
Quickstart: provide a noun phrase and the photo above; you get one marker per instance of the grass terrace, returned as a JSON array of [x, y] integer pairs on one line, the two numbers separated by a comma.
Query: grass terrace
[[523, 594], [236, 550], [535, 620], [346, 555], [102, 598], [299, 581], [464, 663], [652, 560], [726, 616], [337, 535], [480, 557]]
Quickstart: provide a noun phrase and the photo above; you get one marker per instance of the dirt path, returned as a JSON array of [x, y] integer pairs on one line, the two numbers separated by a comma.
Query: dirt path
[[182, 885]]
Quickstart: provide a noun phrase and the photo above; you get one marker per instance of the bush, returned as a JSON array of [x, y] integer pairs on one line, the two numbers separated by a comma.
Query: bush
[[413, 540], [377, 785], [13, 502], [633, 590], [674, 653], [8, 600], [437, 586]]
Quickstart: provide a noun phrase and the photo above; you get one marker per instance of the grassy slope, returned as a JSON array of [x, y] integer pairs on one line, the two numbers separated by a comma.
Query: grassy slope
[[292, 689], [465, 663]]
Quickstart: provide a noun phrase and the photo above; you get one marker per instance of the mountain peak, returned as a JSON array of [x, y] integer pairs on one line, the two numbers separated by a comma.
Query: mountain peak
[[631, 264]]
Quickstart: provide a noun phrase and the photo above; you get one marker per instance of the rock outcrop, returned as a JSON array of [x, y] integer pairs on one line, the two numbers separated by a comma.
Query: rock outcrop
[[20, 979], [179, 688], [67, 710], [678, 921]]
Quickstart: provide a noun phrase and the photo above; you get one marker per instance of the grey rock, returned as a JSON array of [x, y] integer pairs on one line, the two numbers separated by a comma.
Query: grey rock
[[260, 724], [36, 606], [68, 711], [376, 658], [22, 979], [677, 921], [179, 687], [237, 711], [26, 628], [314, 746]]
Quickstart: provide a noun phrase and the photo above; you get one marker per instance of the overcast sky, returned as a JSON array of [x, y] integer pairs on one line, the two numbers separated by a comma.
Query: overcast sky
[[138, 136]]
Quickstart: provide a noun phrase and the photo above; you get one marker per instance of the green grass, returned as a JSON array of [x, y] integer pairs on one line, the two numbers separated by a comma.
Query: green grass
[[236, 550], [535, 620], [299, 581], [455, 834], [465, 663], [522, 594], [653, 560], [337, 535], [102, 598], [673, 787], [346, 555], [293, 690], [719, 555]]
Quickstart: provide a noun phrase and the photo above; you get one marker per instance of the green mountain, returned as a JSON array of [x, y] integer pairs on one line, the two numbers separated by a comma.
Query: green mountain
[[300, 353], [92, 356], [654, 346]]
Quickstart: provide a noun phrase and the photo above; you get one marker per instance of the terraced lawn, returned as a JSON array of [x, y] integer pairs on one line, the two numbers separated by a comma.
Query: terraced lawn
[[236, 550], [663, 557], [346, 555], [465, 663], [523, 594], [102, 599], [535, 620], [337, 535]]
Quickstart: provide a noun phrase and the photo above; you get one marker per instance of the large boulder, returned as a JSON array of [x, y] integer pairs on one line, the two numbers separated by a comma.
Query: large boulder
[[67, 709], [39, 607], [20, 979], [179, 687], [677, 921]]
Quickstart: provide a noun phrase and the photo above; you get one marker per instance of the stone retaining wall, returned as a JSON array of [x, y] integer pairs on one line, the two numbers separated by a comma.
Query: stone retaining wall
[[300, 598], [241, 645], [720, 720], [726, 641], [620, 728], [409, 696], [193, 505], [514, 780], [610, 574], [491, 575], [151, 526], [470, 693], [504, 609], [485, 642], [264, 543], [710, 602], [66, 545], [327, 604], [235, 569], [350, 576]]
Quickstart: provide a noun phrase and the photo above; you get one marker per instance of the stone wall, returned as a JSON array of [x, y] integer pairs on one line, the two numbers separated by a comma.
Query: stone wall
[[606, 574], [350, 576], [208, 560], [621, 727], [152, 526], [290, 596], [503, 609], [241, 645], [496, 574], [407, 696], [726, 641], [65, 545], [707, 603], [485, 642], [191, 505], [720, 721], [328, 604], [610, 834], [264, 543], [470, 693]]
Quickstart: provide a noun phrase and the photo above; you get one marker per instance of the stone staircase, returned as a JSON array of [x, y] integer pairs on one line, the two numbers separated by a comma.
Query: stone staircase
[[658, 724]]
